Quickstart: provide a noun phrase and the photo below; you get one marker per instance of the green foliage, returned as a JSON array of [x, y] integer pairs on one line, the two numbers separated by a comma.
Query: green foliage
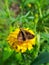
[[32, 14], [42, 58], [6, 53]]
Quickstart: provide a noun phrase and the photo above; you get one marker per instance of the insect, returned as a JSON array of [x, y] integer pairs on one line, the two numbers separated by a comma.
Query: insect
[[24, 35]]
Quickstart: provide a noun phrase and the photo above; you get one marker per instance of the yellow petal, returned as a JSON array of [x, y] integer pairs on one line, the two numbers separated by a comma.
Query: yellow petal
[[30, 46]]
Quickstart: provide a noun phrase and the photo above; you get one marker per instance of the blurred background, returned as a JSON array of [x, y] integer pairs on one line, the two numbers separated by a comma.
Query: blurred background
[[33, 14]]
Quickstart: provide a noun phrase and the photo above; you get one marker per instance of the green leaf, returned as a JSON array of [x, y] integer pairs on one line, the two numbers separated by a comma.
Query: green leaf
[[42, 58], [7, 52], [19, 56]]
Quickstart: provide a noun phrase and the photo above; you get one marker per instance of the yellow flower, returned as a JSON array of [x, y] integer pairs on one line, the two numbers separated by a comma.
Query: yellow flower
[[21, 40]]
